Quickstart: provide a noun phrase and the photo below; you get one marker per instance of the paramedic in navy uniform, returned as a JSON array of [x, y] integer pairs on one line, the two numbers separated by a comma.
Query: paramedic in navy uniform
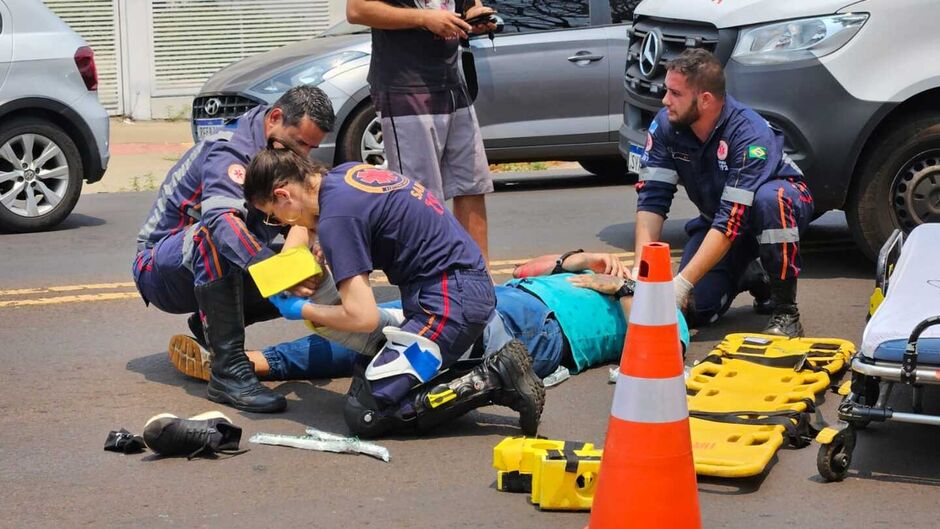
[[751, 197], [200, 237], [370, 219]]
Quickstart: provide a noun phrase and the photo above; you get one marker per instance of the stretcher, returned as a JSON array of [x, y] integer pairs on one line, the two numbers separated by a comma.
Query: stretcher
[[751, 395], [900, 345], [754, 393]]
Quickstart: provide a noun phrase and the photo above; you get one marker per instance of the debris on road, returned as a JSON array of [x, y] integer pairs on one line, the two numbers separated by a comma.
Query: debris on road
[[323, 442]]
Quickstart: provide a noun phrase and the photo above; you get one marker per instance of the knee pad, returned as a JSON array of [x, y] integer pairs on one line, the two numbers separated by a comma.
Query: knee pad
[[405, 353], [361, 413]]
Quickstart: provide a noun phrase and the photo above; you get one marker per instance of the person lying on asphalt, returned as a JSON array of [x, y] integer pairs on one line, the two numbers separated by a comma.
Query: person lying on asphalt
[[562, 317]]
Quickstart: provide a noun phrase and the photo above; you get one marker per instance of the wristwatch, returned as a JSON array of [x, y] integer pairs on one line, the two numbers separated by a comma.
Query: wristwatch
[[558, 262], [627, 289]]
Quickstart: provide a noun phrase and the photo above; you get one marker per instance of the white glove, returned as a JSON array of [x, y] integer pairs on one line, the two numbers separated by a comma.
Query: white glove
[[683, 289]]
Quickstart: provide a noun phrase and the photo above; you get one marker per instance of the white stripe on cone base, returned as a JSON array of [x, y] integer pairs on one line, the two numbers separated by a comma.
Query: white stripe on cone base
[[654, 303], [650, 400]]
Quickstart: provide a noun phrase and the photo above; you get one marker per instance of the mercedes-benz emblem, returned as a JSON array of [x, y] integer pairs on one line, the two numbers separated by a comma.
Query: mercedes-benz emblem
[[651, 51], [213, 106]]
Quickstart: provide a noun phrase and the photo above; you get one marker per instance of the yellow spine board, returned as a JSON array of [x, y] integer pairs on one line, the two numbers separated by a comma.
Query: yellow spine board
[[284, 270]]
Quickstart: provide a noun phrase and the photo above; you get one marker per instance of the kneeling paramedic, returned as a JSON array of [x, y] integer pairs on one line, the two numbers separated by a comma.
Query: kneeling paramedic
[[200, 238], [752, 199], [366, 219]]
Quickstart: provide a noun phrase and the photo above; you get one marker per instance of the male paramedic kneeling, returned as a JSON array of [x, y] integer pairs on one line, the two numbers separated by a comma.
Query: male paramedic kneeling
[[751, 197], [200, 238], [367, 218]]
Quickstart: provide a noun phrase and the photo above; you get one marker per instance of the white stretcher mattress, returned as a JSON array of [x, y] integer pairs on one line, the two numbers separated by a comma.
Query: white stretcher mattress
[[913, 296]]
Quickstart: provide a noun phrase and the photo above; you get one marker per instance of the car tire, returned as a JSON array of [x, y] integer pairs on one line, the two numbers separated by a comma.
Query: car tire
[[898, 184], [39, 188], [609, 168], [362, 139]]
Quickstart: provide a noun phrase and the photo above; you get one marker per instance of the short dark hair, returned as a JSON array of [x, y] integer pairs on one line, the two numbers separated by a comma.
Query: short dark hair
[[309, 101], [701, 69], [274, 167]]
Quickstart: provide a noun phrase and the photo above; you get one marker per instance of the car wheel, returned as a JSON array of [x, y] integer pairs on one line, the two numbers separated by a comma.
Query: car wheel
[[608, 168], [898, 185], [40, 175], [363, 139]]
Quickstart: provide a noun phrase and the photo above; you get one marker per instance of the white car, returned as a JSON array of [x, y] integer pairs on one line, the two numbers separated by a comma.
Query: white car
[[53, 129]]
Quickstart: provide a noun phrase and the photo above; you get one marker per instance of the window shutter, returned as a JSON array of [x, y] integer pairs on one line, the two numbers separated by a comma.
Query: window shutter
[[95, 21], [193, 39]]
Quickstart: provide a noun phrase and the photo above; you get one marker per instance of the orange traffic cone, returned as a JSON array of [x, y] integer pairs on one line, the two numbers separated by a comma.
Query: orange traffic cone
[[647, 477]]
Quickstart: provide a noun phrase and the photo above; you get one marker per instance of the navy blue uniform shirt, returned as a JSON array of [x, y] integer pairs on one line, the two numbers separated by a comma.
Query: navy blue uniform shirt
[[205, 186], [721, 175], [372, 218]]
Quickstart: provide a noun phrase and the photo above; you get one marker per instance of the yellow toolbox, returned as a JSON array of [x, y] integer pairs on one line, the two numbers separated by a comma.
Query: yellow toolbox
[[284, 270], [515, 459], [565, 481]]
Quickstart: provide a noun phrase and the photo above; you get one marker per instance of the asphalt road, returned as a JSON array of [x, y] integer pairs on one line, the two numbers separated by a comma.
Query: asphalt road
[[81, 360]]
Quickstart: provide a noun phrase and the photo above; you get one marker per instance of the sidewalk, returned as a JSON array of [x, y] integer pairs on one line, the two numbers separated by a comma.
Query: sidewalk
[[142, 152]]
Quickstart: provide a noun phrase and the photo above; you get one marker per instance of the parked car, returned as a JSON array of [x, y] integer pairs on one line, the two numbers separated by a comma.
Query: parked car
[[853, 86], [550, 85], [53, 130]]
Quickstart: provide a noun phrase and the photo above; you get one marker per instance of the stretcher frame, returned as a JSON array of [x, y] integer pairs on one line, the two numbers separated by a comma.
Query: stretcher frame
[[873, 382]]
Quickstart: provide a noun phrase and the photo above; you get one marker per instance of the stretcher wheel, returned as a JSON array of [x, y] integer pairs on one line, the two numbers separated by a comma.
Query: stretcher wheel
[[834, 459]]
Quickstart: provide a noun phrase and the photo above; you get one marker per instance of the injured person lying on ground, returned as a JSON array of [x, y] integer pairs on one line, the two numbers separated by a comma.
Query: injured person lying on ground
[[563, 317]]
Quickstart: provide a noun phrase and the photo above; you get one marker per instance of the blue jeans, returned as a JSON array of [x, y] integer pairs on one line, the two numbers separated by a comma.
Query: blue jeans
[[308, 358]]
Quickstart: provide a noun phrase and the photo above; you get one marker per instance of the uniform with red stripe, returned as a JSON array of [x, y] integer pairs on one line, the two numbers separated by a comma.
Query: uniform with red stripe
[[743, 184], [374, 219], [199, 226]]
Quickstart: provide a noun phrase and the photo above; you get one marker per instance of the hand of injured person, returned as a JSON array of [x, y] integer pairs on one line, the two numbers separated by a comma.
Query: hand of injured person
[[603, 283], [290, 307], [307, 287]]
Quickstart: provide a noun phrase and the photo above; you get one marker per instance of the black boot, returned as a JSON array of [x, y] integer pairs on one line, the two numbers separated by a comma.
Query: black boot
[[505, 378], [785, 320], [756, 282], [233, 379], [194, 322]]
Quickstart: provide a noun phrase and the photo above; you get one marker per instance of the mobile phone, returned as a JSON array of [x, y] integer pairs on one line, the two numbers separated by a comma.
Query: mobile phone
[[487, 18]]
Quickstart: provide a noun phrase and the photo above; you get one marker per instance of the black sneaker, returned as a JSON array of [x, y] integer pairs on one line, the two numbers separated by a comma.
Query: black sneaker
[[521, 389], [207, 433]]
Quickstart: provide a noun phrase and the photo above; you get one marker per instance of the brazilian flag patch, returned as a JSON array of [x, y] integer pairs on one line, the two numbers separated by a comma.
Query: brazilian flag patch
[[756, 152]]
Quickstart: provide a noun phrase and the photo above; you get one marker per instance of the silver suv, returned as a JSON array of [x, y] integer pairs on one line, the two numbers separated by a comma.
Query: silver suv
[[550, 84], [53, 130]]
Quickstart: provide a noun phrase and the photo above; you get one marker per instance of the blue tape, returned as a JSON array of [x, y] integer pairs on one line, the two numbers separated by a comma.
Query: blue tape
[[423, 362]]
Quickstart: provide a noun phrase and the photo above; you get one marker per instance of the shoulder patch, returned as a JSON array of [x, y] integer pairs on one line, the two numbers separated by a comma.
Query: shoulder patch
[[649, 142], [236, 172], [756, 152], [374, 180], [722, 150], [654, 126]]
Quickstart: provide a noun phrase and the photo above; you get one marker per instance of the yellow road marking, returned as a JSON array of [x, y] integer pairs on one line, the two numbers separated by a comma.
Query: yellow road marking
[[378, 278], [68, 299], [64, 288]]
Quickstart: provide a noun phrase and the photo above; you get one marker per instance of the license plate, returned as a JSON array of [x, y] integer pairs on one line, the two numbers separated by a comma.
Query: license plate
[[633, 161], [208, 127]]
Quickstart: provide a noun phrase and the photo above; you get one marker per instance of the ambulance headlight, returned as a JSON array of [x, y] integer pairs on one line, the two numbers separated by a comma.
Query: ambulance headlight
[[796, 40], [309, 73]]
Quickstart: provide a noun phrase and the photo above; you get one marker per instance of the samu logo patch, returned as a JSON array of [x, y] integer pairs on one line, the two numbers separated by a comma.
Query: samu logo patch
[[756, 152]]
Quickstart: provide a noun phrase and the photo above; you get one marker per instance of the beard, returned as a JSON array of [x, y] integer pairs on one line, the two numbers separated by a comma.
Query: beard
[[689, 117]]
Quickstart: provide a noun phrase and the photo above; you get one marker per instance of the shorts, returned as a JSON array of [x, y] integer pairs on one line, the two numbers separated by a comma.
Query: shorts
[[434, 138]]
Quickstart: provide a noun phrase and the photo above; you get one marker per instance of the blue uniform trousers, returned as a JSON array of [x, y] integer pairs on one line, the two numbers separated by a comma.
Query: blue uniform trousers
[[167, 274], [781, 211], [451, 311]]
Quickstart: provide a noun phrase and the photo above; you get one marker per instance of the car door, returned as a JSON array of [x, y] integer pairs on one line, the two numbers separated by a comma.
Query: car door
[[6, 44], [544, 79]]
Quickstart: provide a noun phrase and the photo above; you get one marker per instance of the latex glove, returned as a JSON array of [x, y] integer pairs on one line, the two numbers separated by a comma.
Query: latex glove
[[289, 306], [683, 290]]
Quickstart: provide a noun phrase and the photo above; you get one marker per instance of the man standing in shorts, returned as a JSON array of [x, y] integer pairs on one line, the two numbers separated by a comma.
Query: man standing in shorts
[[428, 122]]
